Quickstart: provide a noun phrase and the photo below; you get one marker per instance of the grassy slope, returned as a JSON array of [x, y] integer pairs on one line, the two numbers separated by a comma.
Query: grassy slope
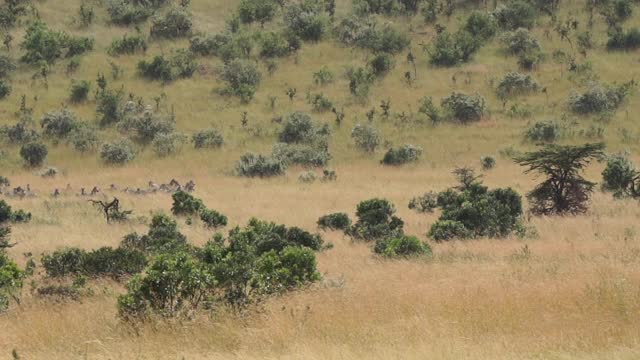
[[575, 297]]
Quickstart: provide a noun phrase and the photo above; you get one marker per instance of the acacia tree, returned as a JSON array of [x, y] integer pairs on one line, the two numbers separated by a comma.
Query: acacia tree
[[564, 191]]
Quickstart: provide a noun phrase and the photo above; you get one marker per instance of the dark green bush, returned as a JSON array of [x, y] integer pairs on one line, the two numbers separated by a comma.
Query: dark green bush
[[117, 153], [146, 126], [274, 44], [228, 46], [79, 91], [487, 162], [514, 84], [621, 40], [516, 14], [42, 44], [128, 45], [111, 262], [310, 154], [185, 204], [5, 88], [360, 82], [124, 12], [211, 138], [260, 11], [335, 221], [382, 7], [174, 23], [621, 177], [109, 104], [7, 66], [464, 108], [64, 262], [598, 98], [365, 137], [319, 102], [376, 221], [401, 246], [164, 145], [543, 131], [450, 50], [242, 78], [443, 230], [11, 278], [365, 33], [163, 235], [20, 133], [84, 138], [8, 215], [306, 20], [424, 203], [402, 155], [381, 64], [481, 25], [33, 154], [180, 64], [256, 165], [57, 125], [212, 218]]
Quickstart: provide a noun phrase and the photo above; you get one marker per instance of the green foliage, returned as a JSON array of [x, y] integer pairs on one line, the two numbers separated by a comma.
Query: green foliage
[[180, 64], [564, 191], [42, 44], [117, 153], [365, 33], [429, 109], [34, 153], [242, 78], [104, 261], [543, 132], [185, 204], [124, 12], [402, 155], [381, 64], [487, 162], [306, 20], [64, 262], [360, 82], [109, 105], [127, 45], [228, 46], [323, 76], [515, 14], [7, 66], [376, 220], [168, 144], [464, 108], [20, 133], [382, 7], [11, 279], [256, 165], [471, 210], [146, 126], [598, 98], [424, 203], [319, 102], [302, 141], [84, 138], [210, 138], [621, 40], [520, 41], [163, 236], [401, 246], [5, 88], [481, 25], [621, 177], [365, 137], [79, 91], [212, 218], [57, 125], [450, 50], [8, 215], [514, 84], [175, 23], [335, 221], [306, 154], [260, 11], [274, 44]]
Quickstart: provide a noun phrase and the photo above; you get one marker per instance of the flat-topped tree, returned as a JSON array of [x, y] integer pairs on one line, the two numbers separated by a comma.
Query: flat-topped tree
[[564, 191]]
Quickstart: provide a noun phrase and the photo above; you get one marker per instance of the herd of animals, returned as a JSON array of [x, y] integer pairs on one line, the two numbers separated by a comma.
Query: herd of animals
[[152, 188]]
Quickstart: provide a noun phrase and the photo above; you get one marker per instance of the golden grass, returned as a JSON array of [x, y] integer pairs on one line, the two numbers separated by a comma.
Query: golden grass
[[574, 297]]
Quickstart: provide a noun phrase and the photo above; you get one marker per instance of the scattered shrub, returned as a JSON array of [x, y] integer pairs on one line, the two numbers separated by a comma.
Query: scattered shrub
[[543, 131], [64, 262], [42, 44], [174, 24], [367, 34], [381, 64], [58, 125], [20, 133], [365, 137], [163, 236], [301, 154], [521, 44], [5, 88], [180, 64], [242, 77], [84, 138], [376, 221], [117, 153], [185, 204], [515, 14], [109, 105], [79, 91], [481, 25], [450, 50], [307, 177], [7, 66], [123, 12], [464, 108], [487, 162], [211, 138], [7, 214], [11, 277], [429, 109], [360, 82], [514, 84], [260, 11], [213, 219], [323, 76], [228, 46], [128, 45], [306, 20], [273, 44], [401, 246], [319, 102], [424, 203], [621, 40], [621, 177], [33, 153], [335, 221], [144, 127], [256, 165], [168, 144], [404, 154], [599, 98]]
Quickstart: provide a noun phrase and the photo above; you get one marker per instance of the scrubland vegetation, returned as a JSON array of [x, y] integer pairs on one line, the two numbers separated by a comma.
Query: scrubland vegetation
[[349, 179]]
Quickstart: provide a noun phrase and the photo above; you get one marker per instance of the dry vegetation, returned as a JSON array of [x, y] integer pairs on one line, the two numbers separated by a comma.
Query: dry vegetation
[[572, 292]]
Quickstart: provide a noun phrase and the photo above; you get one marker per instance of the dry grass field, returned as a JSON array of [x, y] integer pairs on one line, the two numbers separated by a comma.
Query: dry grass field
[[572, 292]]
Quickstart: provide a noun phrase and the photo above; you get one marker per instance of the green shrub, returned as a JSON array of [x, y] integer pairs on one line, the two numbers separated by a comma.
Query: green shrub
[[123, 12], [481, 25], [301, 154], [211, 138], [228, 46], [621, 40], [299, 128], [543, 131], [306, 20], [5, 88], [599, 98], [64, 262], [360, 82], [487, 162], [42, 44], [163, 236], [365, 33], [260, 11], [128, 45], [33, 154], [429, 109], [514, 84], [58, 125], [242, 78], [78, 46], [450, 50], [255, 165], [471, 210], [365, 137], [185, 204], [79, 91], [404, 154], [293, 266], [11, 279], [109, 106], [168, 144], [146, 126], [111, 262], [401, 246], [464, 108], [381, 64], [520, 41], [323, 76], [621, 177], [319, 102], [274, 44], [180, 64], [84, 138], [424, 203], [174, 24], [376, 221], [7, 66], [515, 14], [20, 133], [383, 7], [335, 221], [212, 218], [117, 153], [8, 215]]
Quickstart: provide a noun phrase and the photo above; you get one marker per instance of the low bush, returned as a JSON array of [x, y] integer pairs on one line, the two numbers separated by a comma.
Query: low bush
[[163, 236], [365, 33], [401, 246], [104, 261], [109, 106], [451, 49], [365, 137], [543, 131], [481, 25], [260, 11], [228, 46], [323, 76], [514, 84], [5, 88], [623, 40], [306, 20], [79, 91], [464, 108], [515, 14], [173, 24], [34, 153], [621, 177], [598, 98], [301, 154], [118, 152], [168, 144], [242, 78], [145, 126], [487, 162], [335, 221], [123, 12], [180, 64], [307, 177], [185, 204], [360, 82], [57, 125], [213, 219], [429, 109], [7, 214], [11, 277], [128, 45], [211, 138], [274, 44], [43, 44], [381, 64], [319, 102], [424, 203], [7, 66], [20, 133], [520, 41], [404, 154], [256, 165], [376, 220], [84, 138]]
